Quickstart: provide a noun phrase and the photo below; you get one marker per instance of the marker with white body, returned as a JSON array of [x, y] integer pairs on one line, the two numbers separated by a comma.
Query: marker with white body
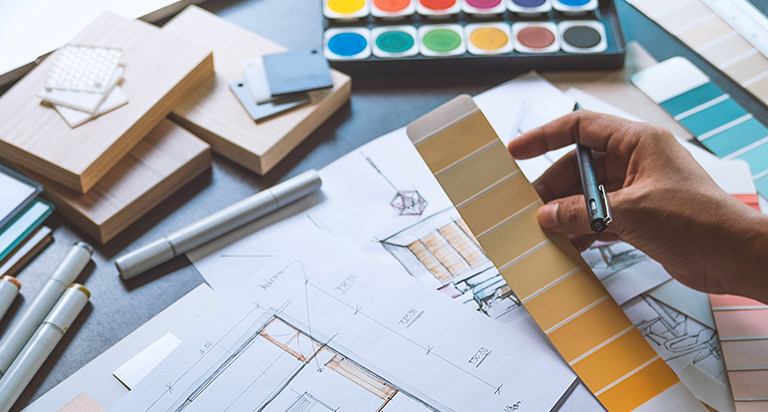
[[25, 325], [40, 346], [9, 289], [217, 224]]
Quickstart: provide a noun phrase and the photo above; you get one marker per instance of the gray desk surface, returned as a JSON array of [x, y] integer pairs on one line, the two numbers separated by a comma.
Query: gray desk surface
[[377, 106]]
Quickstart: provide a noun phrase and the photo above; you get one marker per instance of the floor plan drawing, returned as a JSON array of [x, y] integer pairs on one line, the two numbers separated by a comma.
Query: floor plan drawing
[[299, 372], [322, 327], [442, 247]]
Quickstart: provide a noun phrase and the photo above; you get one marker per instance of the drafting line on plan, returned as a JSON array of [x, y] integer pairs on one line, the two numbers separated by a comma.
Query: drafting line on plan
[[405, 202]]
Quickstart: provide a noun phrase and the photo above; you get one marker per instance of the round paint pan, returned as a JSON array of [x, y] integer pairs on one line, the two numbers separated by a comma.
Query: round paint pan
[[392, 9], [574, 6], [582, 36], [529, 7], [352, 43], [394, 41], [488, 38], [533, 37], [483, 8], [439, 40], [345, 9], [437, 9]]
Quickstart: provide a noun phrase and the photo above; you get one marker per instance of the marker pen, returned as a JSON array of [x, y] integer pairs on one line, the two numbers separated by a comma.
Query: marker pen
[[217, 224], [9, 288], [22, 329], [40, 346]]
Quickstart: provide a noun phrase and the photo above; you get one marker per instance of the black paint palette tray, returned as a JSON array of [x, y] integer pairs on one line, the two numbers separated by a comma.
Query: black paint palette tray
[[406, 36]]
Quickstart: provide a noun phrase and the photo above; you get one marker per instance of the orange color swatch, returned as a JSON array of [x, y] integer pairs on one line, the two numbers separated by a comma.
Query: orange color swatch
[[545, 271]]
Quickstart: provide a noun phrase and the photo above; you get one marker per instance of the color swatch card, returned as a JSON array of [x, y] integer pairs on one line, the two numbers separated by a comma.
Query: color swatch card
[[743, 328], [13, 235], [545, 271], [713, 38], [712, 116]]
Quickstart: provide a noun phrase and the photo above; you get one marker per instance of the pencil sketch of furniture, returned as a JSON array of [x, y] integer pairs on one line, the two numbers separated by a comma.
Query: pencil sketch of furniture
[[678, 335], [442, 247], [607, 259], [278, 366]]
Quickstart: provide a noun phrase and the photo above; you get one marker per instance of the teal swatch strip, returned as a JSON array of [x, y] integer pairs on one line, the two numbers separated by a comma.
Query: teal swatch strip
[[713, 117], [692, 98], [18, 231], [736, 137], [762, 186], [757, 159], [727, 141]]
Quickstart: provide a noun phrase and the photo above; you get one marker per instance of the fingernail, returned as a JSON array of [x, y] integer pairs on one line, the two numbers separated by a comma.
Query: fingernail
[[547, 216]]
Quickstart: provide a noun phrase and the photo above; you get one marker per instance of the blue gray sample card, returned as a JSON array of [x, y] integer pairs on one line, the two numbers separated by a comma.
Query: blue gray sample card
[[297, 71], [264, 110]]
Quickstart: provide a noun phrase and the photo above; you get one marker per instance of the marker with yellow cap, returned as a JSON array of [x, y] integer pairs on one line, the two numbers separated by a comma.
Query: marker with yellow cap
[[40, 346], [9, 289]]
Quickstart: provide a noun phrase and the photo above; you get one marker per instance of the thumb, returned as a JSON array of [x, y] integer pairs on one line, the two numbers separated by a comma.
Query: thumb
[[567, 215]]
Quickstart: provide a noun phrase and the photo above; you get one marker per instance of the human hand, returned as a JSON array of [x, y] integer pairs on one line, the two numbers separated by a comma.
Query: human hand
[[662, 202]]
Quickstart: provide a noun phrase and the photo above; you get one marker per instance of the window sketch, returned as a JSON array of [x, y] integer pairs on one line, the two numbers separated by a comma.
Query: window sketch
[[293, 370], [442, 247]]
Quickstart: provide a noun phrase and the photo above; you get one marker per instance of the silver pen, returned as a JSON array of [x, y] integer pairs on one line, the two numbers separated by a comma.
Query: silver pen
[[596, 198], [217, 224]]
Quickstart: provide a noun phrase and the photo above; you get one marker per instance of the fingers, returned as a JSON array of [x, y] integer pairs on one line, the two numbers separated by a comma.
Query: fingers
[[569, 216], [562, 178], [594, 130], [582, 242]]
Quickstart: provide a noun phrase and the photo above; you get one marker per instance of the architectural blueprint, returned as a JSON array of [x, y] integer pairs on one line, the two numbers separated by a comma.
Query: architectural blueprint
[[382, 199], [323, 327]]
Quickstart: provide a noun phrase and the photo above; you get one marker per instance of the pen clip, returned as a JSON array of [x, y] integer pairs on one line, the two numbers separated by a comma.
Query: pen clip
[[604, 198]]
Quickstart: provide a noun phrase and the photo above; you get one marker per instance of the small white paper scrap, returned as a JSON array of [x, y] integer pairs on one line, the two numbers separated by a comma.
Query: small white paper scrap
[[139, 366], [85, 101], [74, 117]]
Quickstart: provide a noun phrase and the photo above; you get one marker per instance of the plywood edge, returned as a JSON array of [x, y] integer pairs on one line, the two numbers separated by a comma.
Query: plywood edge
[[24, 160], [134, 187], [156, 195], [225, 147], [303, 129], [104, 163]]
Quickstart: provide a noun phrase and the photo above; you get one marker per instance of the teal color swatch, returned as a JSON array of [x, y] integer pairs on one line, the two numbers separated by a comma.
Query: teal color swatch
[[736, 137], [713, 117], [691, 98], [757, 159], [762, 186]]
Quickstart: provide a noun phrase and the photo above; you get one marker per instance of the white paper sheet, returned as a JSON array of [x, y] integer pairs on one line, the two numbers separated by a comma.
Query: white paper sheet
[[181, 319], [323, 325], [139, 366], [14, 193]]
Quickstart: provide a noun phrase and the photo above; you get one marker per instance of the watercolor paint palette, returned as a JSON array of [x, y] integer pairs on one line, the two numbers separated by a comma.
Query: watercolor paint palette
[[384, 36], [712, 116]]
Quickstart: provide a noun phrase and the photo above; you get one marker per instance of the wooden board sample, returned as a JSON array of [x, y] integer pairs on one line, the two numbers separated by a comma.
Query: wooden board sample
[[544, 270], [214, 114], [159, 70], [159, 165]]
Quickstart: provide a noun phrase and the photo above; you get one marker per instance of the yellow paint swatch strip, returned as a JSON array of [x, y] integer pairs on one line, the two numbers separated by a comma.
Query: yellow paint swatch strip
[[559, 290]]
